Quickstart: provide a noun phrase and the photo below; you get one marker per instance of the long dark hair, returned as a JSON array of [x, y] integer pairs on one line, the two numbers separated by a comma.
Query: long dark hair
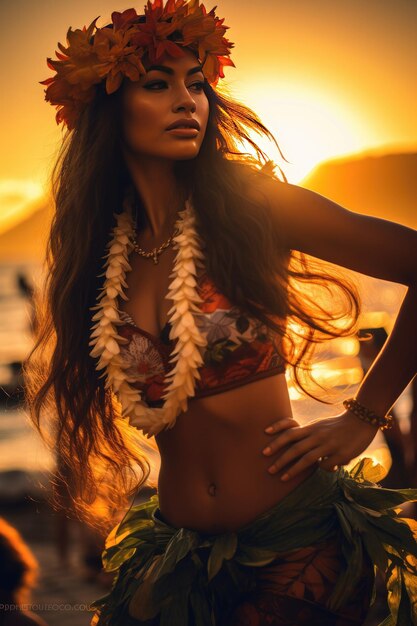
[[102, 461]]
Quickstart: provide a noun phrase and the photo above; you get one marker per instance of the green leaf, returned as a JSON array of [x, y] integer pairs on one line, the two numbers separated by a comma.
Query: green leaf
[[176, 611], [135, 527], [343, 520], [138, 513], [224, 548], [378, 498], [365, 469], [252, 556], [114, 562], [182, 542], [402, 597], [349, 577], [142, 606], [376, 551], [200, 606], [395, 533]]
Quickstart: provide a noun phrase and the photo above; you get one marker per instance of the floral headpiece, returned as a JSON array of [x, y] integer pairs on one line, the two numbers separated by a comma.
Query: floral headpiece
[[115, 51]]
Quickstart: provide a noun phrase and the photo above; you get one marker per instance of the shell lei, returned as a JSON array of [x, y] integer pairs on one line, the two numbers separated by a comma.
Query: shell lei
[[187, 353]]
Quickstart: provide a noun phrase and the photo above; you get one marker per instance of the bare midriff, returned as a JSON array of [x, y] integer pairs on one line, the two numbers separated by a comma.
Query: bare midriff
[[214, 477]]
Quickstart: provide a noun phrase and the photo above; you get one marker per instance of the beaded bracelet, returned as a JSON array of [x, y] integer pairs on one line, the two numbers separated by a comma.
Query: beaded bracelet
[[367, 415]]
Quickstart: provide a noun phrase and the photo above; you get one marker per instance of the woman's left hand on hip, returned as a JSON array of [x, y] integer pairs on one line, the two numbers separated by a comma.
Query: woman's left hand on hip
[[331, 441]]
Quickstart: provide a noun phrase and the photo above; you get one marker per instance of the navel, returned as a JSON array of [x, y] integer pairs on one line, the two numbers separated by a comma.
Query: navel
[[212, 489]]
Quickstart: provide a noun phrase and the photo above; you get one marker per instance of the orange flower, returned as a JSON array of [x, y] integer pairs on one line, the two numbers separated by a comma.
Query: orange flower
[[121, 20], [152, 34], [69, 99], [197, 26], [76, 73], [78, 41], [177, 7], [116, 57], [207, 31], [77, 64], [213, 67]]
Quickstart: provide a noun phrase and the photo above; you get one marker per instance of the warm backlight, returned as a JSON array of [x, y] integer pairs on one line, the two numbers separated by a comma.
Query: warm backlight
[[310, 125]]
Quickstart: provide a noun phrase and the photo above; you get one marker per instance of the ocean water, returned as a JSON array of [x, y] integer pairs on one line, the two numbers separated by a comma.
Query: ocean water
[[20, 445]]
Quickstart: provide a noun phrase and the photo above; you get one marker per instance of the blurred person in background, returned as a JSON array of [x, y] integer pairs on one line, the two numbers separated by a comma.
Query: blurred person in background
[[18, 575], [27, 291]]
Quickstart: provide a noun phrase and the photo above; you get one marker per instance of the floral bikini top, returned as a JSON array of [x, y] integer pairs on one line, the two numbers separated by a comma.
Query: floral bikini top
[[239, 349]]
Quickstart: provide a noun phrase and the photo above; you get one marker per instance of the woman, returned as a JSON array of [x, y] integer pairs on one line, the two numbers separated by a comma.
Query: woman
[[203, 299]]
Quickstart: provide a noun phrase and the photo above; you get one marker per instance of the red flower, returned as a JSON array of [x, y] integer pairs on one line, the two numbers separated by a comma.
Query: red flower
[[153, 34], [116, 57], [121, 20], [212, 299], [69, 99]]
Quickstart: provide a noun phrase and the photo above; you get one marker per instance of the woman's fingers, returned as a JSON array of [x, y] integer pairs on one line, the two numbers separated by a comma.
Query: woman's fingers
[[306, 461], [276, 427], [323, 442], [289, 434], [300, 449], [331, 464]]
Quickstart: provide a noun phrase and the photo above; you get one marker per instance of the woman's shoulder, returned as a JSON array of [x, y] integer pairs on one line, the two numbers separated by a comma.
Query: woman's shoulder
[[256, 180], [252, 168]]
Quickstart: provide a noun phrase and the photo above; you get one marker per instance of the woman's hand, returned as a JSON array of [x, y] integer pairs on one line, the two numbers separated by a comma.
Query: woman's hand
[[337, 440]]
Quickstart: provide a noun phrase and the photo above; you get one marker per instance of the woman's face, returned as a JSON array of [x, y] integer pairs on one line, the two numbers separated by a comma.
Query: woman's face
[[161, 97]]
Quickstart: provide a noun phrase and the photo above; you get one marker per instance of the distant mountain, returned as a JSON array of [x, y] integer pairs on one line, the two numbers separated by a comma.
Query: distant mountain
[[26, 240], [380, 185]]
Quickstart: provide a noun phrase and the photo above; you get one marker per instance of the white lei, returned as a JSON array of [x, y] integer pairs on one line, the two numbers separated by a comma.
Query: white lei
[[186, 353]]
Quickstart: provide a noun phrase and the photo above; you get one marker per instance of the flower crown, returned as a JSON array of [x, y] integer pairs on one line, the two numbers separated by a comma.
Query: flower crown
[[115, 51]]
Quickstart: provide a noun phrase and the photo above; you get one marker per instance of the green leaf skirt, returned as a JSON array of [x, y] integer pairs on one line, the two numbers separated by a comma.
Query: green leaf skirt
[[176, 576]]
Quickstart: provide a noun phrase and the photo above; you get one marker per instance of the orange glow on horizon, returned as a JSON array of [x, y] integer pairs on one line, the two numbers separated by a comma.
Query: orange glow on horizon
[[18, 199]]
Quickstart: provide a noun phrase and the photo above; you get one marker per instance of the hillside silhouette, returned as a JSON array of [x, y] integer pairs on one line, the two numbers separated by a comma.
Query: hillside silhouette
[[379, 185], [26, 240], [382, 185]]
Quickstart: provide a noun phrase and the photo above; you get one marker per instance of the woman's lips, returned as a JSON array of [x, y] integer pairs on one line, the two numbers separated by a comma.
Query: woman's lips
[[184, 132]]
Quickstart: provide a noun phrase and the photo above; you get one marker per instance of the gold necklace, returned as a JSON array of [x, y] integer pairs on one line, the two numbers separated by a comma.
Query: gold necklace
[[156, 251]]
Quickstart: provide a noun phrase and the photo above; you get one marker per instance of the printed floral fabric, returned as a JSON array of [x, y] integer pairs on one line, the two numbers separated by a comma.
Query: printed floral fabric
[[145, 359], [239, 348]]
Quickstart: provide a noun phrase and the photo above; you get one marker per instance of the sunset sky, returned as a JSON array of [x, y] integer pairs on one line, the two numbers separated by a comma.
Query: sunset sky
[[327, 77]]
